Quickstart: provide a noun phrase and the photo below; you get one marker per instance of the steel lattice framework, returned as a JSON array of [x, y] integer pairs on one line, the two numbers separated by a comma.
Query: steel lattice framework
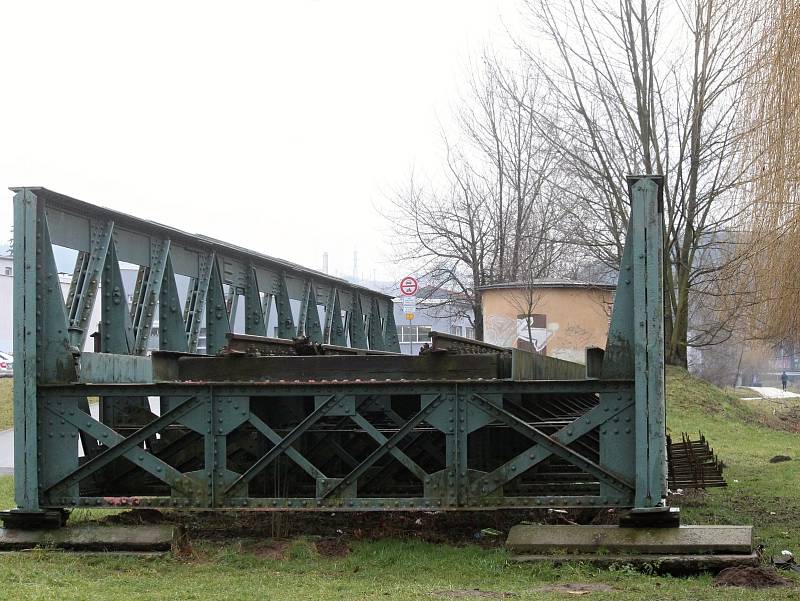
[[352, 425]]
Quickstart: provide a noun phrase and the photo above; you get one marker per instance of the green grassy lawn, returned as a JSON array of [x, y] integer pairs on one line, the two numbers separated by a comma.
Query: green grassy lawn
[[6, 403], [743, 433]]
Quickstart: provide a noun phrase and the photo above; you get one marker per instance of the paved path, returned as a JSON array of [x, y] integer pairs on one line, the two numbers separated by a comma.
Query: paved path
[[6, 452], [768, 392]]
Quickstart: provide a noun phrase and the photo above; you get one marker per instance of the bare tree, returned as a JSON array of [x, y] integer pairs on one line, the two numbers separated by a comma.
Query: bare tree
[[625, 97], [525, 299], [497, 214], [449, 235]]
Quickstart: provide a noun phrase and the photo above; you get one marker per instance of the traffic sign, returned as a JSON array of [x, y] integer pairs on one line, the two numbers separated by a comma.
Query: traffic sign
[[408, 286], [409, 304], [409, 316]]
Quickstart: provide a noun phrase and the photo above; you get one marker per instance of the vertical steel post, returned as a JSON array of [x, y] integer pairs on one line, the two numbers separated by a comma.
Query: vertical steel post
[[375, 328], [647, 235], [286, 327], [390, 340], [26, 482], [253, 306], [218, 322], [358, 338]]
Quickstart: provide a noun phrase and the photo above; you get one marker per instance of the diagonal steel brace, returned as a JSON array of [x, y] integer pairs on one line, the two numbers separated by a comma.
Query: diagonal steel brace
[[552, 445], [533, 456], [291, 452], [386, 447], [378, 437], [119, 446], [285, 443]]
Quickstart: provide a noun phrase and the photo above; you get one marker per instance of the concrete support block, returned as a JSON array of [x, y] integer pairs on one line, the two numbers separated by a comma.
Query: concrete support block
[[690, 540], [90, 537]]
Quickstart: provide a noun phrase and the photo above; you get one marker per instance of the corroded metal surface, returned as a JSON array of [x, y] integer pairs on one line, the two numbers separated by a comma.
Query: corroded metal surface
[[299, 422]]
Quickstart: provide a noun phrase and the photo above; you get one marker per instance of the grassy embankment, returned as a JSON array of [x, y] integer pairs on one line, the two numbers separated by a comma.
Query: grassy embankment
[[745, 434], [6, 404]]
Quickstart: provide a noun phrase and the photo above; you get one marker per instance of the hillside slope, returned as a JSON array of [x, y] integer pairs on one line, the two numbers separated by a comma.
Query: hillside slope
[[745, 435]]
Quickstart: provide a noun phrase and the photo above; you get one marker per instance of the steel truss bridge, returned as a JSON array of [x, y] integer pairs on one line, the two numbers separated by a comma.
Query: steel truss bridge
[[336, 419]]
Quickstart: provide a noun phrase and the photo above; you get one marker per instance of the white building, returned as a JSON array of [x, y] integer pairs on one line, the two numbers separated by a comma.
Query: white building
[[440, 312]]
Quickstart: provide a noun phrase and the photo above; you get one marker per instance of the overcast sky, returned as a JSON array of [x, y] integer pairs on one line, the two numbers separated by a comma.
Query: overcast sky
[[274, 125]]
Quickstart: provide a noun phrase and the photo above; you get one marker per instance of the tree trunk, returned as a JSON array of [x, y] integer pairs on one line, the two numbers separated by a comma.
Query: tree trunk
[[677, 341], [477, 311]]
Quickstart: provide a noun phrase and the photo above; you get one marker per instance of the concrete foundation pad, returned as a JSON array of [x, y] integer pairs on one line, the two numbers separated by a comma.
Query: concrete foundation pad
[[685, 540], [660, 564], [91, 537]]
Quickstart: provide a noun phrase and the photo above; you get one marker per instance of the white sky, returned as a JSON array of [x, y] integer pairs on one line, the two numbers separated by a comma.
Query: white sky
[[278, 126]]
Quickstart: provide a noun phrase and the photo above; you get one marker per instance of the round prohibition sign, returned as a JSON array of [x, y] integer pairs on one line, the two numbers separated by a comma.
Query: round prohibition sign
[[408, 286]]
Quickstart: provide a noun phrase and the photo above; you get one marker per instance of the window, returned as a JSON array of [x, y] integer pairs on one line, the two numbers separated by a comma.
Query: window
[[9, 271], [456, 330], [413, 333], [470, 332], [537, 320]]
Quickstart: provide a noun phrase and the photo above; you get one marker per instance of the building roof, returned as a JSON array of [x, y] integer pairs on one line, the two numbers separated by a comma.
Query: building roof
[[435, 294], [549, 283]]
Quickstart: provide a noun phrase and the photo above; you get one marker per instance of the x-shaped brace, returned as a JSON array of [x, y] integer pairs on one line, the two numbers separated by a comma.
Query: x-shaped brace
[[120, 446]]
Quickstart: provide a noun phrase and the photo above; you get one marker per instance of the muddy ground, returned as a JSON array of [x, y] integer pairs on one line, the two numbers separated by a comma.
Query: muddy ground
[[485, 528]]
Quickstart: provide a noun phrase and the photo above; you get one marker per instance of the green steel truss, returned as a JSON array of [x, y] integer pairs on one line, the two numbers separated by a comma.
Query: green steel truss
[[367, 432]]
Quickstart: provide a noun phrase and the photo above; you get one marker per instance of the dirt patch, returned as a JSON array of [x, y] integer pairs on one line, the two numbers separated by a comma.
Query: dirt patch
[[332, 547], [483, 528], [486, 529], [575, 588], [271, 549], [785, 419], [136, 517], [473, 593], [689, 497], [751, 577], [605, 517], [780, 459]]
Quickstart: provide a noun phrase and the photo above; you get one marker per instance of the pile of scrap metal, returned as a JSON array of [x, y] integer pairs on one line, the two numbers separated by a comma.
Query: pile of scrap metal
[[450, 343], [298, 346], [693, 464]]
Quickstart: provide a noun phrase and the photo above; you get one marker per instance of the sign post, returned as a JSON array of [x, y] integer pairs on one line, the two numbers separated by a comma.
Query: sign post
[[408, 288]]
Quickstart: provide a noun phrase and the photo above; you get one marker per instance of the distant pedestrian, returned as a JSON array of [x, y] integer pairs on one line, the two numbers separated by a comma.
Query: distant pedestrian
[[784, 380]]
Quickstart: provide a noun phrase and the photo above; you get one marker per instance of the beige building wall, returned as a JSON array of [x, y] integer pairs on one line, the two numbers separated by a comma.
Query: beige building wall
[[575, 318]]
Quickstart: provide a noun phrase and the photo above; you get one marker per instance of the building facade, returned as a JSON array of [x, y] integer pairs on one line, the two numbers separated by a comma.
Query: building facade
[[440, 313], [558, 318]]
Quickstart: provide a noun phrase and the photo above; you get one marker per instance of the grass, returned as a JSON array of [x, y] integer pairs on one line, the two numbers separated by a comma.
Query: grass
[[745, 435], [379, 570], [6, 403]]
